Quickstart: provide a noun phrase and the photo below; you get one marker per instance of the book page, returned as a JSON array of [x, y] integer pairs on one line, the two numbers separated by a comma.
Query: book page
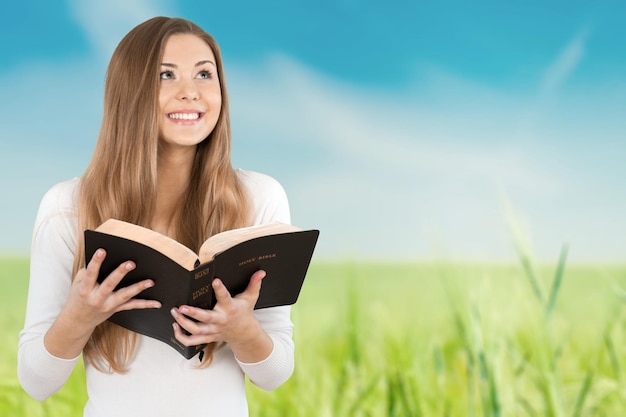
[[224, 240], [157, 241]]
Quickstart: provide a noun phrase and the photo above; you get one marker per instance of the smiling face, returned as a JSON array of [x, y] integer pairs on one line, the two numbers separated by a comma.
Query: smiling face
[[190, 97]]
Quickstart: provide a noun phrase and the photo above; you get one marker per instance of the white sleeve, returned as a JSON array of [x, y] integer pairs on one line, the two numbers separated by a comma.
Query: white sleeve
[[274, 370], [51, 259], [269, 204]]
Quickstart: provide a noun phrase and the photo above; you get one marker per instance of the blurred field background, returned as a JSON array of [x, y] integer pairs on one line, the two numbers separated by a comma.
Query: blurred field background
[[419, 339]]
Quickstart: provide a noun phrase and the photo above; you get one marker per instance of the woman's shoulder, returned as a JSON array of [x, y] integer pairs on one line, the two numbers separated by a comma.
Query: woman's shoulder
[[59, 200], [61, 196], [268, 198], [253, 180]]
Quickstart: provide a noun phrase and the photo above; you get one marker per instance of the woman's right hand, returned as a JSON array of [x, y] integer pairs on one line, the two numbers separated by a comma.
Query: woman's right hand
[[90, 303]]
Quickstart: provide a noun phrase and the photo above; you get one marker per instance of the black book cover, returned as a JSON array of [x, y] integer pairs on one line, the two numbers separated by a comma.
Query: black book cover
[[285, 257]]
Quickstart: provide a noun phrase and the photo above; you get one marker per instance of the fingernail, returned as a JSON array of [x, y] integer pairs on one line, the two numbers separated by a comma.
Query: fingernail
[[99, 253], [174, 312], [184, 310], [149, 284], [129, 266], [156, 304]]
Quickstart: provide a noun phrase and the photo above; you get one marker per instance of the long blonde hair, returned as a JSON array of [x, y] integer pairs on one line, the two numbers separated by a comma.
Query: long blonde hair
[[120, 181]]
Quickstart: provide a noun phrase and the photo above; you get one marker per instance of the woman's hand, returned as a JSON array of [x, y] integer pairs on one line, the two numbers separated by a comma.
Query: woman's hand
[[232, 321], [90, 303]]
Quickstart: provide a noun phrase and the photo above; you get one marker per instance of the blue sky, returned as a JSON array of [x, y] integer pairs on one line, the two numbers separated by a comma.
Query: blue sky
[[401, 129]]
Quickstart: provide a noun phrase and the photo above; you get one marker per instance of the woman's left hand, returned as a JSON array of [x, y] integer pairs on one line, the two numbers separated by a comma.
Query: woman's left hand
[[232, 321]]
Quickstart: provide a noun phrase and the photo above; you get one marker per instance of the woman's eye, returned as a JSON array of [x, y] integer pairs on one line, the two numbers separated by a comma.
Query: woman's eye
[[166, 75], [204, 75]]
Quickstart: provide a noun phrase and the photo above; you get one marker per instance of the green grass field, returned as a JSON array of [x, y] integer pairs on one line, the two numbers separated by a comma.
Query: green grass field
[[422, 339]]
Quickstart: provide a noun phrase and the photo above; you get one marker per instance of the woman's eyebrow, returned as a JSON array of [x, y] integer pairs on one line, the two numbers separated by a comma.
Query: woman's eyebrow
[[198, 64], [206, 61]]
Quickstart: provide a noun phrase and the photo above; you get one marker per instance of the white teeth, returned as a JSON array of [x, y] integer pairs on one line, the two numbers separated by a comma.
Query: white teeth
[[184, 116]]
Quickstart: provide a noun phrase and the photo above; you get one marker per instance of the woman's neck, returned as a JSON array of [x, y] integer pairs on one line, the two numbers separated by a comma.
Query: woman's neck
[[173, 176]]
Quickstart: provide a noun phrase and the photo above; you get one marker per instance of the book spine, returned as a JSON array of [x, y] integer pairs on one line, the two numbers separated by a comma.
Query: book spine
[[200, 290]]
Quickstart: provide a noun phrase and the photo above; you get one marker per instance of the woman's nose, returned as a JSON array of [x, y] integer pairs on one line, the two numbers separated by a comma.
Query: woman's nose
[[188, 91]]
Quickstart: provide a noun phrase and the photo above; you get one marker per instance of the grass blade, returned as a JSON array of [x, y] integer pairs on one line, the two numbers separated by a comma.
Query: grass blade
[[582, 395], [556, 283]]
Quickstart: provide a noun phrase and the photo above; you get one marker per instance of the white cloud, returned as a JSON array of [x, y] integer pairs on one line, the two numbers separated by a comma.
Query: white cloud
[[395, 175], [565, 63], [389, 184], [282, 98], [106, 22]]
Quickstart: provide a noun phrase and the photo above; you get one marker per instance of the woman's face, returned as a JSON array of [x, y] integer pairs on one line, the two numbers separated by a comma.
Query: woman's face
[[190, 97]]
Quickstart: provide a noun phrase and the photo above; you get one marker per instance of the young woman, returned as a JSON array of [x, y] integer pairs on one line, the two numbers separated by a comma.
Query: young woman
[[162, 160]]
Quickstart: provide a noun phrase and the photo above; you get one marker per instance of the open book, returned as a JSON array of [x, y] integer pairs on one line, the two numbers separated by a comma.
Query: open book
[[184, 277]]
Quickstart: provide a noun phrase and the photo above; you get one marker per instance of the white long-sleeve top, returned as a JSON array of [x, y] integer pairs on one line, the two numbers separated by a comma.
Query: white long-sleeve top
[[160, 381]]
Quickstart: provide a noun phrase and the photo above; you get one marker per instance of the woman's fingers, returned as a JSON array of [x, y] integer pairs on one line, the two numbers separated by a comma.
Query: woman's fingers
[[105, 295], [115, 277], [251, 293], [90, 276], [222, 296], [197, 332], [126, 293], [191, 339], [254, 287], [137, 303], [193, 319], [125, 301]]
